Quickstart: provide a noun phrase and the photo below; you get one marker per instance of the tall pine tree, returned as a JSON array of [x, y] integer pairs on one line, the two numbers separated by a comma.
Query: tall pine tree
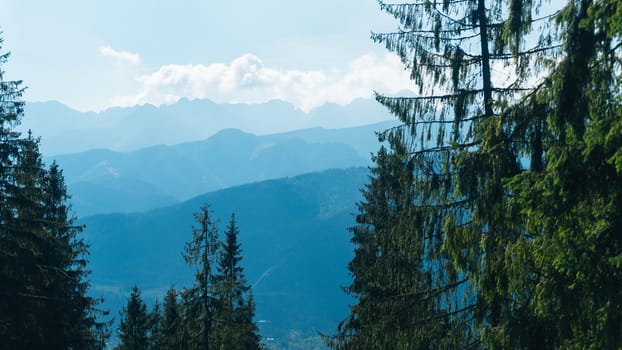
[[395, 308], [459, 144], [201, 252]]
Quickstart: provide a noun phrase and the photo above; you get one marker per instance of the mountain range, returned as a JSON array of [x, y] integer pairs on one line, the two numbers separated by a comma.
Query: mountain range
[[64, 130], [104, 181]]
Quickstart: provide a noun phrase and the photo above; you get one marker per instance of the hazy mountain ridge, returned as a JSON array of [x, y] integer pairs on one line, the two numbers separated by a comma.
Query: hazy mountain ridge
[[65, 130], [293, 236], [104, 181]]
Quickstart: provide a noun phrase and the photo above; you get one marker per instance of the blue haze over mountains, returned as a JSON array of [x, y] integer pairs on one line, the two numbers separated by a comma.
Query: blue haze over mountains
[[294, 193], [116, 178], [104, 181], [65, 130]]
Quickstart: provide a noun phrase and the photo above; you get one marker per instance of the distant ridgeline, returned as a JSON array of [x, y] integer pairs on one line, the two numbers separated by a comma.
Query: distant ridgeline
[[103, 181], [292, 230], [65, 130]]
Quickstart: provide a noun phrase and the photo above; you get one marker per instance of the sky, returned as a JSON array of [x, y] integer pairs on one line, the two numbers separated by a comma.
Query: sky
[[94, 54]]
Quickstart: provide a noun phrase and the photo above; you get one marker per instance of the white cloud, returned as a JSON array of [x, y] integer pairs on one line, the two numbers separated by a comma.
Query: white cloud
[[247, 79], [120, 56]]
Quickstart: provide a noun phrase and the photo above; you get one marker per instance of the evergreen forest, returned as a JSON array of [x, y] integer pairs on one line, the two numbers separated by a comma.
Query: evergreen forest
[[491, 217]]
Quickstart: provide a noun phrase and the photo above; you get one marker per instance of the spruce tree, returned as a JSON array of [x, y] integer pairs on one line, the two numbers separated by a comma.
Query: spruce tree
[[457, 133], [571, 204], [235, 327], [394, 309], [245, 319], [135, 323], [157, 339], [44, 281], [172, 321], [81, 314], [13, 316]]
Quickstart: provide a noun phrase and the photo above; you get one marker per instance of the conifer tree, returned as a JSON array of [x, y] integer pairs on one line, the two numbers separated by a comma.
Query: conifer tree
[[13, 316], [24, 226], [201, 252], [394, 309], [42, 258], [74, 316], [245, 319], [157, 339], [570, 205], [172, 321], [134, 325], [235, 327], [456, 135]]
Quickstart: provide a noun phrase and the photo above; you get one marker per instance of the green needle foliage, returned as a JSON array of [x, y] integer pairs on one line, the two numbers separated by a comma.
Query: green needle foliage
[[202, 253], [219, 309], [235, 309], [571, 206], [135, 324], [43, 276], [499, 193], [215, 313]]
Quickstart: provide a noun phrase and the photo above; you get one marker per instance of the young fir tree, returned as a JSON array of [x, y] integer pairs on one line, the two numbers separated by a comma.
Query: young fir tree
[[234, 309], [135, 324], [25, 227], [157, 339], [245, 319], [171, 321], [201, 252]]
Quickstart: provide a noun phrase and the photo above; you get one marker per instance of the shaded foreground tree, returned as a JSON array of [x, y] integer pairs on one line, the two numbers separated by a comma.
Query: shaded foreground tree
[[390, 276], [450, 140], [515, 208], [172, 321], [43, 301], [571, 205]]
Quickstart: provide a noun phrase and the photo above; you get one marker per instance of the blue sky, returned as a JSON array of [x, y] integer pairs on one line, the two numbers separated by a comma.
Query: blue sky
[[94, 54]]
